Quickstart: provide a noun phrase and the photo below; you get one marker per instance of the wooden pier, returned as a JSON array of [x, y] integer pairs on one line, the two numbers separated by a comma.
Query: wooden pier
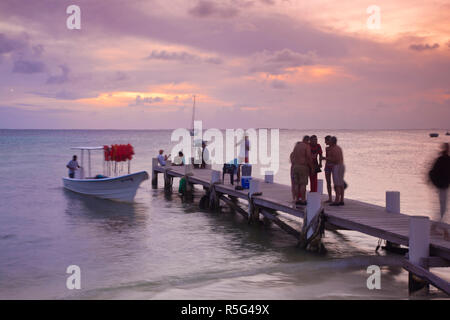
[[427, 246]]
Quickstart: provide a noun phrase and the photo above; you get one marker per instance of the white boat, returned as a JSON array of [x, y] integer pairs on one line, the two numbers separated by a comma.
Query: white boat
[[120, 188]]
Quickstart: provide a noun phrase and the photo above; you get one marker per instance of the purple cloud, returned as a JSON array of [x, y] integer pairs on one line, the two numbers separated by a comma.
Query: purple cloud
[[423, 47], [212, 9], [145, 100], [59, 79], [181, 56], [28, 67], [8, 45], [276, 62], [277, 84], [38, 50], [120, 76]]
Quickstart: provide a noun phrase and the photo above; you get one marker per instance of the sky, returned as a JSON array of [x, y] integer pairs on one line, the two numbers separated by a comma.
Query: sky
[[136, 64]]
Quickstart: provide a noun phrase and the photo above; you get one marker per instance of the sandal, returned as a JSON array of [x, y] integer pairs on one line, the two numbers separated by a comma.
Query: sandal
[[335, 204]]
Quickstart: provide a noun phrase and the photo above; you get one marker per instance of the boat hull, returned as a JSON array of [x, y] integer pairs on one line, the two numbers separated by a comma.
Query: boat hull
[[122, 188]]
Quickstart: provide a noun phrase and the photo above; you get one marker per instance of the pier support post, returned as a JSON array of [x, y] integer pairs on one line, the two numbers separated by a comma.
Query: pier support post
[[168, 181], [419, 248], [392, 206], [154, 173], [253, 212], [320, 186], [312, 210], [311, 235], [235, 201], [214, 203], [189, 190], [268, 177]]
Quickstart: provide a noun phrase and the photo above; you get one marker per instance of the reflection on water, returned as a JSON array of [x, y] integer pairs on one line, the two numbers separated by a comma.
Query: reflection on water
[[111, 215], [164, 247]]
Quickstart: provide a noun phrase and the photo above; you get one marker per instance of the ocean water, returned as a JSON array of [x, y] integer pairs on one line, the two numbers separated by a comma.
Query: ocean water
[[162, 248]]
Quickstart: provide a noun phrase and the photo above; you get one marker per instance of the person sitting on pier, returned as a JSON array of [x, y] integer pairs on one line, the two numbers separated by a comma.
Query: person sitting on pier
[[301, 168], [231, 168], [72, 166], [162, 158], [336, 157], [179, 159]]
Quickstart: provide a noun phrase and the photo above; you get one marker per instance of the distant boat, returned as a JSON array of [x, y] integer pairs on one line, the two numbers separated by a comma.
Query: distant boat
[[120, 188], [434, 135]]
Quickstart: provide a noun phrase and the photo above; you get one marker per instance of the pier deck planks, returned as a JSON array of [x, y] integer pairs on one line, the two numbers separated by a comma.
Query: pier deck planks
[[358, 216]]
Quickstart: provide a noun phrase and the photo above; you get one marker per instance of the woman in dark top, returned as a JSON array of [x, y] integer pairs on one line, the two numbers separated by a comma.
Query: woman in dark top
[[440, 177]]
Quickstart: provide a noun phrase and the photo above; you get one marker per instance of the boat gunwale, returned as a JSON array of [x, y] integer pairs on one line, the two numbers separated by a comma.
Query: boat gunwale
[[108, 178]]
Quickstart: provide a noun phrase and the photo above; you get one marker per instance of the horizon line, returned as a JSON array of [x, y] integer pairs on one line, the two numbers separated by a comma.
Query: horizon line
[[156, 129]]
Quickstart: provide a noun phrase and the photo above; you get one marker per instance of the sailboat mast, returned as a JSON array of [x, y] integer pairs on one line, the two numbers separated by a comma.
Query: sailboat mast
[[193, 114]]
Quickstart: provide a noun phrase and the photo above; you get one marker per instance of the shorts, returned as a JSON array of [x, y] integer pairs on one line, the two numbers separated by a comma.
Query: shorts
[[72, 175], [338, 175], [300, 174], [328, 168]]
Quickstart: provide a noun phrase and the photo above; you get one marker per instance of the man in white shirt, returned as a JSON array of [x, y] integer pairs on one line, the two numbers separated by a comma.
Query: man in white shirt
[[72, 166]]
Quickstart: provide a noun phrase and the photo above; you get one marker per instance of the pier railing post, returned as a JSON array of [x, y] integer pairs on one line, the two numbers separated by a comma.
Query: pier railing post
[[392, 206], [320, 186], [393, 201], [268, 177], [253, 213], [419, 248], [154, 173]]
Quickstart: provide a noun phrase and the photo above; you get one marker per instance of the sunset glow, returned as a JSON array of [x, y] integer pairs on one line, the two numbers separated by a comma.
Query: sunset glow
[[283, 58]]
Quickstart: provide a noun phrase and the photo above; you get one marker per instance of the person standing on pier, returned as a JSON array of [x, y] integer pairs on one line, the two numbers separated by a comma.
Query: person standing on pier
[[205, 155], [243, 154], [316, 151], [328, 169], [336, 158], [302, 165], [440, 177]]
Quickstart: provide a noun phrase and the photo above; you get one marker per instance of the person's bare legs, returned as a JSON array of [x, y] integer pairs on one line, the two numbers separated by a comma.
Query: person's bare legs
[[443, 208], [443, 201], [302, 189], [328, 178], [337, 190], [295, 191]]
